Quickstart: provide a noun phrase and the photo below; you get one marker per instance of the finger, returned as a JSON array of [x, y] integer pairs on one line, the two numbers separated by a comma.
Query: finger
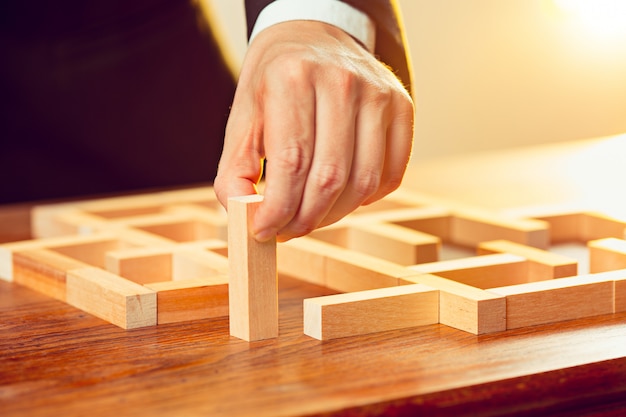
[[289, 136], [399, 145], [367, 164], [332, 159], [240, 164]]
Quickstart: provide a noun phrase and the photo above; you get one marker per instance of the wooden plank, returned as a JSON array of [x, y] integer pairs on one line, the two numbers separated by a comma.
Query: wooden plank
[[253, 289], [471, 227], [112, 298], [598, 226], [394, 243], [606, 254], [189, 264], [44, 270], [372, 311], [564, 227], [8, 249], [483, 271], [350, 271], [191, 299], [433, 220], [141, 265], [542, 265], [465, 307], [305, 259], [557, 300]]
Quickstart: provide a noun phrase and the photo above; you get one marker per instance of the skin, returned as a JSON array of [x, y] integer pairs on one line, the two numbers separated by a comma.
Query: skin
[[334, 124]]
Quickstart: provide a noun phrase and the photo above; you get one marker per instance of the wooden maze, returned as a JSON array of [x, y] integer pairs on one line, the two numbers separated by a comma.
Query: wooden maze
[[405, 261]]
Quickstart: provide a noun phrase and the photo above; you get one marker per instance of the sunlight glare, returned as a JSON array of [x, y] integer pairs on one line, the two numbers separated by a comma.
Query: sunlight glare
[[605, 18]]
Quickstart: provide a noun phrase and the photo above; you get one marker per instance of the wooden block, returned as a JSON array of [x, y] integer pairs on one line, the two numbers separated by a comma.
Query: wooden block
[[350, 271], [371, 311], [542, 265], [619, 289], [464, 307], [44, 270], [598, 226], [305, 259], [190, 264], [141, 265], [484, 271], [435, 221], [394, 243], [564, 227], [557, 300], [253, 290], [112, 298], [606, 254], [191, 299], [8, 249], [471, 227]]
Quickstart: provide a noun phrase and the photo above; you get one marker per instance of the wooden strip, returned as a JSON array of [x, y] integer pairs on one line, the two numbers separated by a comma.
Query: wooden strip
[[44, 270], [471, 227], [542, 265], [112, 298], [432, 220], [304, 259], [606, 254], [253, 289], [350, 271], [464, 307], [141, 265], [364, 312], [484, 271], [598, 226], [8, 249], [394, 243], [190, 264], [565, 227], [191, 299], [557, 300]]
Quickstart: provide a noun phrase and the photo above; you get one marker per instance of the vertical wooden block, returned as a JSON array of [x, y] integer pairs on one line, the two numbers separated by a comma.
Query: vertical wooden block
[[358, 313], [464, 307], [557, 300], [253, 288], [542, 265], [606, 254], [112, 298], [191, 299]]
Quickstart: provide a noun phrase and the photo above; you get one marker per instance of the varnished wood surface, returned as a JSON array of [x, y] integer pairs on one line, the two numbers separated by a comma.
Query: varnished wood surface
[[56, 360]]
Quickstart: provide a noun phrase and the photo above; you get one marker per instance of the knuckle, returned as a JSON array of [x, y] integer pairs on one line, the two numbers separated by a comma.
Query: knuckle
[[366, 183], [292, 161], [329, 178]]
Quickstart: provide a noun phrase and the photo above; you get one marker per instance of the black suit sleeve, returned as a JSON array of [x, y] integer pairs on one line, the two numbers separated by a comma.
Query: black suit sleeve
[[390, 41]]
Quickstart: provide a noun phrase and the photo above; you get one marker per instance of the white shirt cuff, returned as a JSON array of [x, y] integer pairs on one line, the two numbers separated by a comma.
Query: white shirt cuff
[[334, 12]]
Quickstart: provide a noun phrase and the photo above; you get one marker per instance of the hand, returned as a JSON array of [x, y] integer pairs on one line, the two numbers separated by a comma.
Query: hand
[[334, 125]]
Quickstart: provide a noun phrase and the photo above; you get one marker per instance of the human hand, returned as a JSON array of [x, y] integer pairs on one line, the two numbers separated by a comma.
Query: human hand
[[334, 125]]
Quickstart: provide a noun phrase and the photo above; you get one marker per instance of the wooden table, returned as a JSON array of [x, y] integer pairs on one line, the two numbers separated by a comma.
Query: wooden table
[[57, 360]]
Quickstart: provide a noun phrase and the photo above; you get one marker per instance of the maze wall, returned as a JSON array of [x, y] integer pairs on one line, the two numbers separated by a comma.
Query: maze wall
[[405, 261]]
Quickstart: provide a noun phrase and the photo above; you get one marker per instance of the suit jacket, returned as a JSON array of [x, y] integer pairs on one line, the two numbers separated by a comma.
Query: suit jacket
[[390, 39]]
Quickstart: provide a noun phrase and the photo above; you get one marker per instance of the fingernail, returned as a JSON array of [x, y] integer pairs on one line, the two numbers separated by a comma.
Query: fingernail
[[265, 235]]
